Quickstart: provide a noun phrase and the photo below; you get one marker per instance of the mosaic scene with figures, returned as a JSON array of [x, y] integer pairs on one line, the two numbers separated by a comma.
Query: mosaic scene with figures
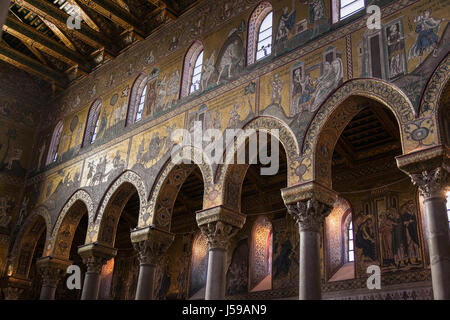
[[351, 97]]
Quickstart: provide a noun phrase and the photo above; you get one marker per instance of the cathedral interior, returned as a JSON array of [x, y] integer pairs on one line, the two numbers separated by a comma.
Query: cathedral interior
[[350, 98]]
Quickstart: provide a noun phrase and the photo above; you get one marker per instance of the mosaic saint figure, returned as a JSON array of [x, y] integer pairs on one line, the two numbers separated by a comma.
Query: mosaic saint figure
[[316, 12], [398, 236], [277, 86], [407, 212], [285, 24], [395, 48], [386, 227], [427, 29], [364, 238]]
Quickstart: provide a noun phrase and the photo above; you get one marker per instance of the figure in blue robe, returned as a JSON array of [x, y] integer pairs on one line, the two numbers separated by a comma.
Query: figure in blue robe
[[285, 24], [427, 36]]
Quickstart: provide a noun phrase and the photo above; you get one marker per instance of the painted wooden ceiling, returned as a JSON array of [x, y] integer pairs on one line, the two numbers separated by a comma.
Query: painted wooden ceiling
[[37, 38]]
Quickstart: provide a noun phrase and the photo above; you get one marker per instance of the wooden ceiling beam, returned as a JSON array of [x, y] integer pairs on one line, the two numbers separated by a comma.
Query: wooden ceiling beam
[[35, 38], [345, 150], [386, 121], [116, 14], [59, 18], [164, 6], [24, 62], [4, 7]]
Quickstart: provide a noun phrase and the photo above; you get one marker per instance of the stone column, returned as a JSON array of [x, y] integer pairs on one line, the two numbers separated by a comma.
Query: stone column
[[309, 205], [429, 170], [94, 256], [52, 270], [432, 186], [4, 6], [219, 225], [151, 244]]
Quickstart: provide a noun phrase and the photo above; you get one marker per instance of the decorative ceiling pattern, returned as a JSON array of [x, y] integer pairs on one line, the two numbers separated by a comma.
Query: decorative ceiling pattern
[[63, 40]]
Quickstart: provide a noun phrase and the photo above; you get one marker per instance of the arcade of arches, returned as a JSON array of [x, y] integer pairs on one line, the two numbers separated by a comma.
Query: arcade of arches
[[355, 120]]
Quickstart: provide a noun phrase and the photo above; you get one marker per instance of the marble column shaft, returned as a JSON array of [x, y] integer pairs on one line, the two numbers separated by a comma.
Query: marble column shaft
[[151, 244], [94, 257], [219, 225], [432, 185], [310, 216]]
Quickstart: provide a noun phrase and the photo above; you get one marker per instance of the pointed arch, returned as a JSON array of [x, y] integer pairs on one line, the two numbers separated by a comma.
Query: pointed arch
[[136, 104], [256, 18], [189, 66], [230, 176], [79, 204], [92, 122], [24, 246], [436, 99], [171, 177], [104, 227], [54, 144], [336, 112]]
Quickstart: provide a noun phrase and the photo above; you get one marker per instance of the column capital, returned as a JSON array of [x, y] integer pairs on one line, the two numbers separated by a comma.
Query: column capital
[[14, 287], [307, 191], [219, 224], [429, 170], [309, 214], [432, 183], [95, 255], [151, 244], [52, 270]]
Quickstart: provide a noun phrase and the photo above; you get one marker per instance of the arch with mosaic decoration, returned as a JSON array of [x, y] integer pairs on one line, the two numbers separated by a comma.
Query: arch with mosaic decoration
[[436, 99], [169, 182], [25, 244], [337, 111], [79, 204], [231, 176], [104, 226]]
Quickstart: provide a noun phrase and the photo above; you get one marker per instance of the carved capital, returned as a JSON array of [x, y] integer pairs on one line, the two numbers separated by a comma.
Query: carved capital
[[51, 270], [95, 255], [94, 264], [151, 244], [219, 234], [432, 183], [219, 224], [12, 293], [309, 214]]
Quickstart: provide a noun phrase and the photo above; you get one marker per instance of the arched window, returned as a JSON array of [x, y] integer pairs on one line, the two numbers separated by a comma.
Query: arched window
[[259, 43], [350, 244], [448, 207], [192, 70], [340, 244], [137, 99], [54, 144], [196, 74], [93, 122], [345, 8], [261, 255]]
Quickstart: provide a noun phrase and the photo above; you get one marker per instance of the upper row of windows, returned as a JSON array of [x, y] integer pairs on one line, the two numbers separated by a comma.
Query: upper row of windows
[[259, 46]]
